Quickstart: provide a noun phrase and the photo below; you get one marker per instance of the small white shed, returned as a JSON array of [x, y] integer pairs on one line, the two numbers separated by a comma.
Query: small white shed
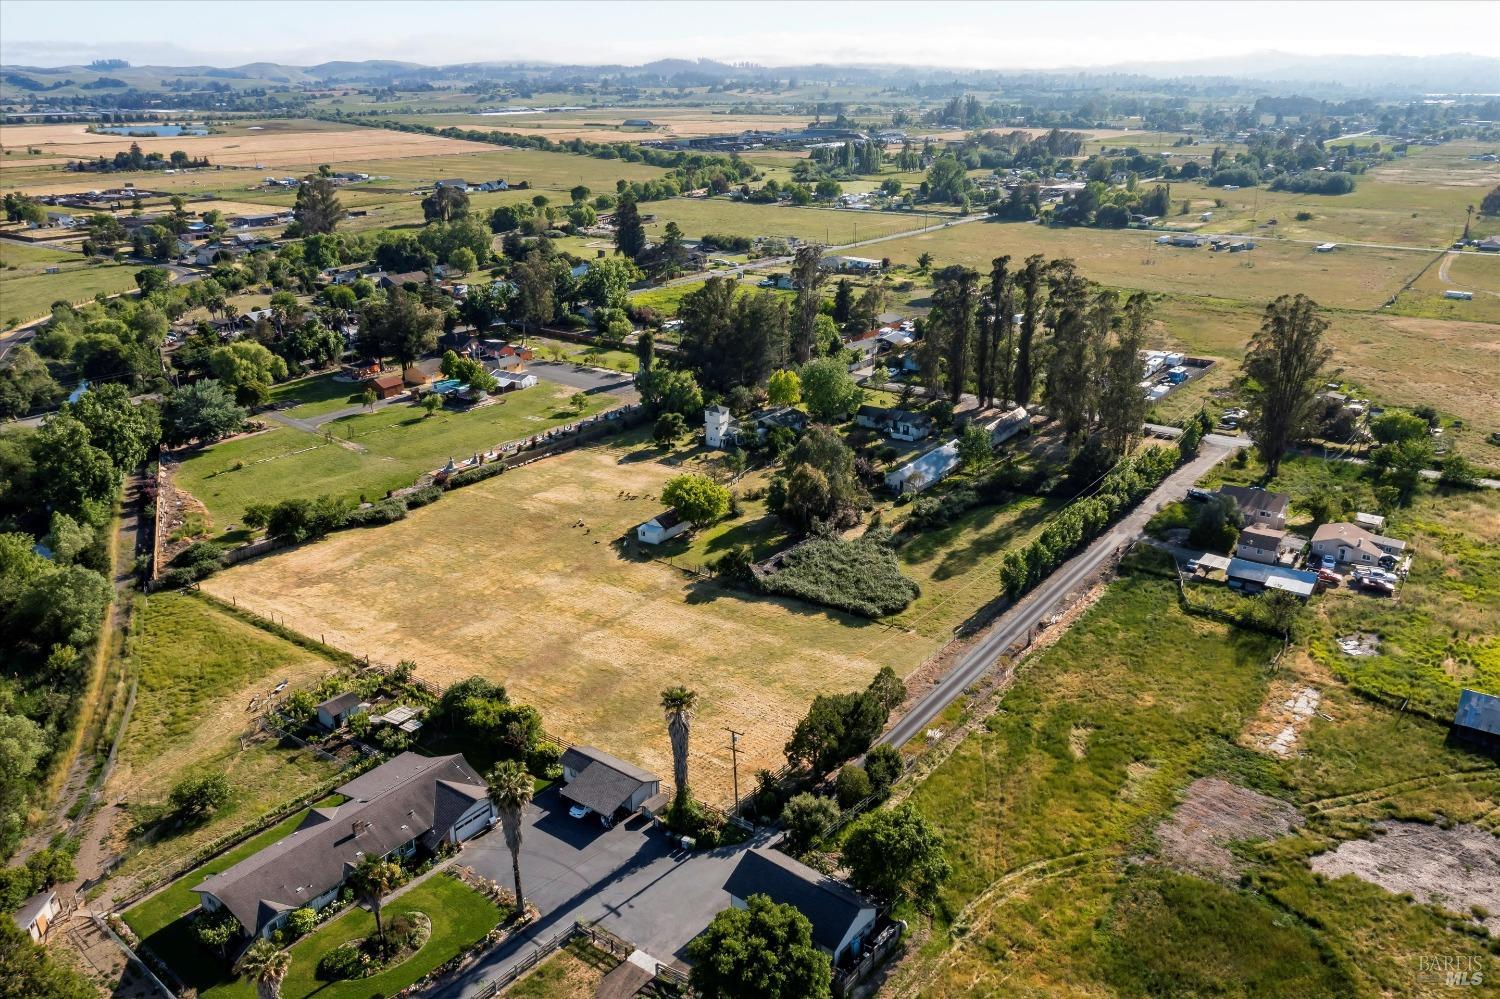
[[661, 528]]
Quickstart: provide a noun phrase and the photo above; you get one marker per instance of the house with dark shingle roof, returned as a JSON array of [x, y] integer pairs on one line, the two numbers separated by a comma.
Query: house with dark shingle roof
[[841, 919], [605, 784], [410, 803], [1258, 506]]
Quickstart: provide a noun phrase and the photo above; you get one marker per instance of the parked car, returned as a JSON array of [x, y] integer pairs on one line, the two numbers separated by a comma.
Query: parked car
[[1192, 565], [1331, 578], [1374, 584], [1328, 563], [1198, 494], [580, 811]]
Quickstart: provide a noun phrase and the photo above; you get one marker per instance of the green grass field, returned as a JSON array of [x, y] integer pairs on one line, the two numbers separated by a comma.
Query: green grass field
[[459, 915], [699, 216], [197, 668], [1049, 811], [1443, 631], [30, 296], [380, 451], [1350, 278]]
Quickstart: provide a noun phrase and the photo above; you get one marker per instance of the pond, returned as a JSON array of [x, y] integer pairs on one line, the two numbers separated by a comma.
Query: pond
[[146, 131]]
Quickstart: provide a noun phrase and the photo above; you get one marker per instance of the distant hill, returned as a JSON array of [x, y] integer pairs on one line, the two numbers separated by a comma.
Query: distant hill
[[1391, 75]]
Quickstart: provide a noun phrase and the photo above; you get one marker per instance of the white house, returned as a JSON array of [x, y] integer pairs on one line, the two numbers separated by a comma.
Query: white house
[[36, 914], [1353, 544], [663, 527], [1260, 543], [924, 470], [841, 920], [722, 431], [336, 711], [511, 381]]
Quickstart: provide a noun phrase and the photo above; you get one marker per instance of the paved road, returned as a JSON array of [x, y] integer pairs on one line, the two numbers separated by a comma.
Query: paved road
[[631, 879], [1017, 622]]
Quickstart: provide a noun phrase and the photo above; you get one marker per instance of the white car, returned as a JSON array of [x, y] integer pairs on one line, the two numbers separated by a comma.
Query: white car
[[580, 811]]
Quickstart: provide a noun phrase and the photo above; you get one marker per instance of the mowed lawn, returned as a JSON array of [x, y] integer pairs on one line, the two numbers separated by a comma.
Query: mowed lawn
[[460, 916], [1349, 278], [373, 454], [497, 579], [197, 669]]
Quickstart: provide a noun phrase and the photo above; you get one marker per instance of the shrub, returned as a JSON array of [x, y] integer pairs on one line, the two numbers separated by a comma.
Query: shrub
[[469, 476], [301, 921], [805, 817], [884, 766], [424, 496], [385, 512], [1311, 182], [852, 786], [861, 577], [939, 511], [199, 796], [344, 961]]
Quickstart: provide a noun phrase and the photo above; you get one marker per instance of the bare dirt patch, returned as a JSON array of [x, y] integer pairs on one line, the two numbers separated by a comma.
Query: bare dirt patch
[[1457, 868], [1287, 710], [1215, 813]]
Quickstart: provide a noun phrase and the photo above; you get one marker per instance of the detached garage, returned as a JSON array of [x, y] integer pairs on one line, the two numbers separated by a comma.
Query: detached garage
[[605, 784]]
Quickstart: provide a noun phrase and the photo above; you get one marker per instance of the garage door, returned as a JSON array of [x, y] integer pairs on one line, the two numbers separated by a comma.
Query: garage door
[[472, 826]]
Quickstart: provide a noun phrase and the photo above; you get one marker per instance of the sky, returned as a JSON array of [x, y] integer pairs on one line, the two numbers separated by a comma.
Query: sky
[[1003, 36]]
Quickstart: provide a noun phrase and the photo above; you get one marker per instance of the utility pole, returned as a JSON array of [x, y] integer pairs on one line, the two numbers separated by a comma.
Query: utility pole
[[734, 755]]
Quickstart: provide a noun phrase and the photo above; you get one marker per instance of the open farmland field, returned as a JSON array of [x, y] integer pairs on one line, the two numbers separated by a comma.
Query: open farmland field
[[310, 144], [26, 296], [496, 579], [721, 216], [608, 124], [197, 669], [372, 452], [1351, 278], [1112, 830], [1399, 360], [1473, 272], [480, 161]]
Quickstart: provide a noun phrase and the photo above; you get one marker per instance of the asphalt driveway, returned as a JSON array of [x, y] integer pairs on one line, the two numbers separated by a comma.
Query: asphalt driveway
[[632, 879]]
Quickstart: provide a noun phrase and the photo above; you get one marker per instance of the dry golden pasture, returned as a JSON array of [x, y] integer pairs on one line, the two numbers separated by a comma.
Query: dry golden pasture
[[495, 579], [304, 147]]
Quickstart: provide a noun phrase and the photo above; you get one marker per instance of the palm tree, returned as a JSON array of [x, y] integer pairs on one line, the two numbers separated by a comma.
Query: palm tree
[[266, 965], [511, 788], [678, 704], [372, 881], [1468, 217]]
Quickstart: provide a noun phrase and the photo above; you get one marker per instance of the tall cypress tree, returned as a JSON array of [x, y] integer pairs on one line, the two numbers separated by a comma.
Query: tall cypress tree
[[994, 338], [630, 234], [1031, 291]]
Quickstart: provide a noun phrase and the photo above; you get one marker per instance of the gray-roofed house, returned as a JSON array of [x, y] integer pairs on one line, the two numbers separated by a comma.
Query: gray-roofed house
[[898, 424], [35, 914], [408, 804], [1354, 545], [1260, 543], [605, 784], [1477, 720], [1258, 506], [841, 920], [337, 710]]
